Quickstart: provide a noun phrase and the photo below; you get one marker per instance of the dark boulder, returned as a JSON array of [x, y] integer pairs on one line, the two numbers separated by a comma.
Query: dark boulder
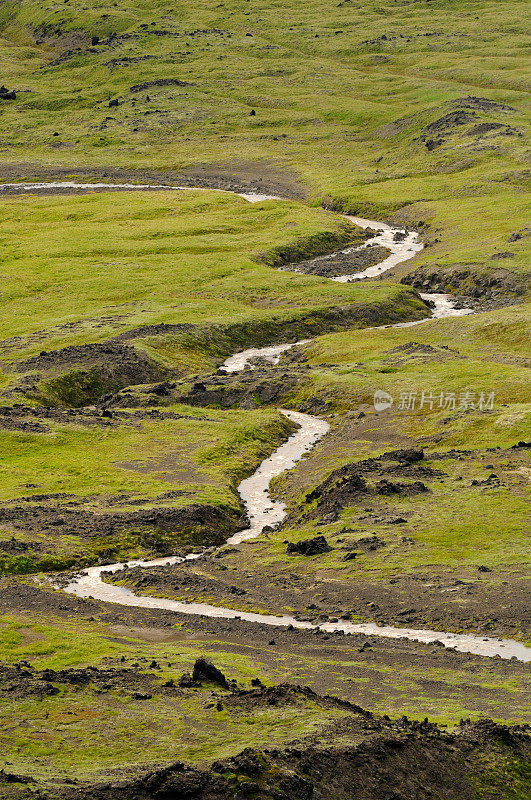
[[341, 484], [309, 547], [350, 556], [5, 94], [186, 681], [205, 670]]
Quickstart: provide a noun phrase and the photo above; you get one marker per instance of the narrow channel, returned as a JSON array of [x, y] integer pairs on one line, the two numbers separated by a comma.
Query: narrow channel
[[261, 509]]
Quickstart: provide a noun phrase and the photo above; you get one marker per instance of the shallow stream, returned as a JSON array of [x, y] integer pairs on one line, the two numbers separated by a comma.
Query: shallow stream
[[261, 509]]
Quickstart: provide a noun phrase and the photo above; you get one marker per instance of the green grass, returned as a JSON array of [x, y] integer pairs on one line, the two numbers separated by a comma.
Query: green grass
[[85, 733], [448, 533], [342, 112], [482, 353], [90, 738], [113, 470], [335, 101], [89, 733], [143, 459], [80, 269]]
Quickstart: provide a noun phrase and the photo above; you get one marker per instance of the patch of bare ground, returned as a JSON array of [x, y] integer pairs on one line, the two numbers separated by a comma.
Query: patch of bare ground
[[366, 670], [343, 262], [200, 525], [264, 177]]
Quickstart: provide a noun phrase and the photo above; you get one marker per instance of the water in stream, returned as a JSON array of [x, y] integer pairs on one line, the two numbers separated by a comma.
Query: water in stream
[[68, 186], [261, 509]]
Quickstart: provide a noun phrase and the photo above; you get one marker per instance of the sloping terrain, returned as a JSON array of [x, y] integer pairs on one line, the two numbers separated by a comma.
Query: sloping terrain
[[75, 731], [123, 436]]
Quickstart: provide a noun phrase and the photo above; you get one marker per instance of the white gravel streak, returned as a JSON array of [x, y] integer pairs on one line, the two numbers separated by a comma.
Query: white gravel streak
[[49, 186]]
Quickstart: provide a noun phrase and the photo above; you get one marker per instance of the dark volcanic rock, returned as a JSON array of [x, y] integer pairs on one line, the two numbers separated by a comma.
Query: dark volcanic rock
[[344, 482], [449, 121], [205, 670], [389, 487], [139, 87], [469, 280], [15, 546], [5, 94], [12, 777], [203, 524], [309, 547], [186, 681], [480, 104], [370, 543], [248, 762], [349, 484]]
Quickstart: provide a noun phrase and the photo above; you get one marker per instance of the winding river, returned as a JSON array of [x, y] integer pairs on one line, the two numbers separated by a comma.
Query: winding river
[[262, 510]]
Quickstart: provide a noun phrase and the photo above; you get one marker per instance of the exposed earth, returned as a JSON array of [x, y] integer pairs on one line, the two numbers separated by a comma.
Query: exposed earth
[[314, 144], [474, 599]]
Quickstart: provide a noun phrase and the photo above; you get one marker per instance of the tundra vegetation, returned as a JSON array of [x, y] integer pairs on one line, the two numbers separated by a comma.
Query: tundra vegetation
[[121, 437]]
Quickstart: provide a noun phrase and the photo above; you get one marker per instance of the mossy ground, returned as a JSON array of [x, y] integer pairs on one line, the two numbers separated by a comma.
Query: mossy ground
[[136, 465], [407, 110], [84, 732], [343, 96], [83, 269], [114, 728]]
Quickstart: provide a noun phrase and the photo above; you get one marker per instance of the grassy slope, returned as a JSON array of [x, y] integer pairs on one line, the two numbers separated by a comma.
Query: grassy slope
[[345, 109], [479, 353], [126, 468], [81, 269], [452, 526], [112, 727], [76, 459], [342, 93], [482, 353]]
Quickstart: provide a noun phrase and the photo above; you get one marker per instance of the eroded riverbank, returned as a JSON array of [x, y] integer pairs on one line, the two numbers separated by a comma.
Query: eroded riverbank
[[265, 512]]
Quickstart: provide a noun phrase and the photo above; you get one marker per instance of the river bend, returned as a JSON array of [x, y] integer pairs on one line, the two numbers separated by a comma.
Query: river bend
[[261, 509]]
